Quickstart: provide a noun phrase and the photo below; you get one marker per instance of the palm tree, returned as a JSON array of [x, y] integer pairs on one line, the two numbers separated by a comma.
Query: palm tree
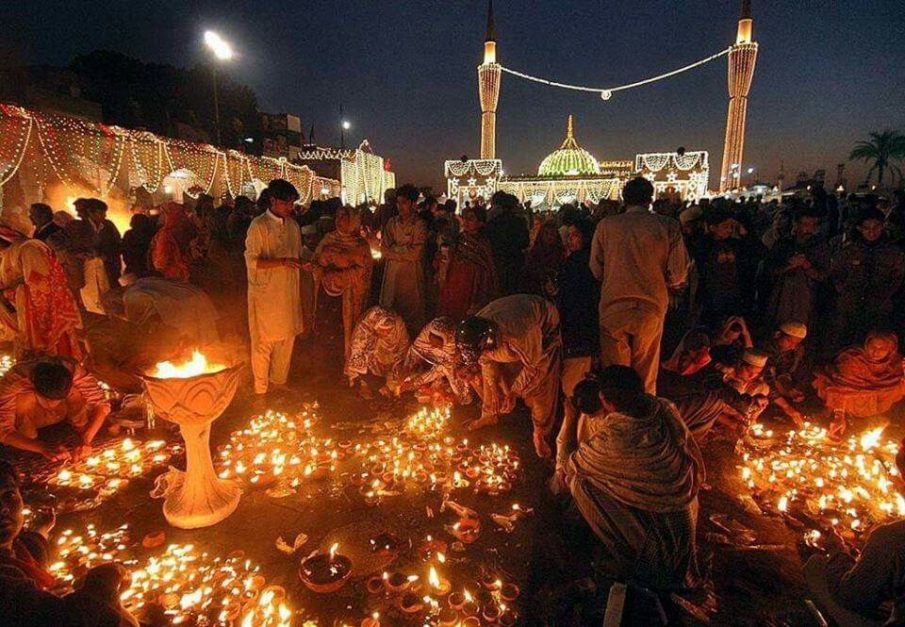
[[882, 150]]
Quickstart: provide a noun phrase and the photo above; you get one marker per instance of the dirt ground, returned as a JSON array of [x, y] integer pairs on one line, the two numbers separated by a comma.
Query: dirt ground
[[757, 584]]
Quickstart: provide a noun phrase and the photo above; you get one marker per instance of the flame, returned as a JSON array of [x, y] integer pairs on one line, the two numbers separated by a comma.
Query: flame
[[468, 597], [333, 550], [433, 578], [871, 439], [192, 368]]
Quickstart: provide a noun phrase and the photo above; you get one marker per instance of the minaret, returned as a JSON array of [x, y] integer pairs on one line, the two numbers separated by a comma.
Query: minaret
[[742, 58], [489, 90]]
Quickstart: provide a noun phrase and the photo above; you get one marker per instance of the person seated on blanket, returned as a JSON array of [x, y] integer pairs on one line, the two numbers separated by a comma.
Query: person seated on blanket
[[46, 391], [635, 481], [869, 588]]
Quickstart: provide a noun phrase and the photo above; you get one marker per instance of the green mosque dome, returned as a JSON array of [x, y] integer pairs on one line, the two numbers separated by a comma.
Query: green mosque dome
[[569, 160]]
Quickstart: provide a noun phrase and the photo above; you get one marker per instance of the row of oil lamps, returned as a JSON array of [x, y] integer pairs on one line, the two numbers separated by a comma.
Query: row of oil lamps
[[849, 486]]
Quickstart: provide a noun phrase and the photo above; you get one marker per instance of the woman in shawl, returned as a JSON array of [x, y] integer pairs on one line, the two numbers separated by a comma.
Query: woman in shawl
[[730, 340], [171, 247], [544, 260], [635, 479], [44, 315], [469, 281], [862, 380], [343, 263], [379, 344]]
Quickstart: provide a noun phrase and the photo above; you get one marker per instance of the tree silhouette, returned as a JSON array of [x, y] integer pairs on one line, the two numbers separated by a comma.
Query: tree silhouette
[[881, 150]]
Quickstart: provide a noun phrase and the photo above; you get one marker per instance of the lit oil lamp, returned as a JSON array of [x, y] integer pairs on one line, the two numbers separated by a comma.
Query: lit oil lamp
[[439, 586], [466, 530], [371, 621], [325, 572], [398, 582]]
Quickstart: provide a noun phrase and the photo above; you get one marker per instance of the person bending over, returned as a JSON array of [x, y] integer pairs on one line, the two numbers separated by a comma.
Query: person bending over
[[43, 392], [516, 342]]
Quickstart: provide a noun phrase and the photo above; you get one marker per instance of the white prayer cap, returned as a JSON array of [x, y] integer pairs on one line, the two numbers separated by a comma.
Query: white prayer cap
[[755, 358], [691, 214], [309, 229], [794, 329]]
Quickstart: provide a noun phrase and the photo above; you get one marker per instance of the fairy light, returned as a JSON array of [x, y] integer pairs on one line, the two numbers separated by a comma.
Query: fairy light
[[78, 152]]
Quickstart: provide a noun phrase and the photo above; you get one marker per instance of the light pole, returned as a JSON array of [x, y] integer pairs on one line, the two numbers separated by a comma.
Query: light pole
[[222, 52]]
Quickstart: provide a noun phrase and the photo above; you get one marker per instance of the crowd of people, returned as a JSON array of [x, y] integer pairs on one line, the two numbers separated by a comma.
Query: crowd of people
[[632, 332]]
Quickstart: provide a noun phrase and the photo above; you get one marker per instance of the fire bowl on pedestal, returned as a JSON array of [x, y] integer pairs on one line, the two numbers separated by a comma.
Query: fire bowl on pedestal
[[197, 497]]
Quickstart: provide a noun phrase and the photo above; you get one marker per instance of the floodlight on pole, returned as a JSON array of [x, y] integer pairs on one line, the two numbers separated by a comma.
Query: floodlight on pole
[[222, 52]]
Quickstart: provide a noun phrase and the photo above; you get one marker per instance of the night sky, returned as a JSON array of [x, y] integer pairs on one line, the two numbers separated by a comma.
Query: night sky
[[827, 73]]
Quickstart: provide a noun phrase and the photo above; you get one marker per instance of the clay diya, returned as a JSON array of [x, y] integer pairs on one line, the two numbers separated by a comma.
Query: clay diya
[[448, 617], [385, 544], [490, 613], [410, 603], [396, 582], [456, 600], [509, 592], [325, 572]]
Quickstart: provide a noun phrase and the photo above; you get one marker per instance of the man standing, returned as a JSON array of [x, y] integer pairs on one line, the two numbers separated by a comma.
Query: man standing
[[402, 247], [793, 270], [108, 241], [509, 239], [639, 257], [41, 216], [272, 257], [866, 276]]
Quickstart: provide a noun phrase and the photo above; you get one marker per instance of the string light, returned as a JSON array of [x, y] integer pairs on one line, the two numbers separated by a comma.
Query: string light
[[607, 92], [74, 148]]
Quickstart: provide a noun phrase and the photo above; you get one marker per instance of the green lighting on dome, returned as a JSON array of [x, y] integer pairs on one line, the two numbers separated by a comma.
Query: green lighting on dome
[[570, 159]]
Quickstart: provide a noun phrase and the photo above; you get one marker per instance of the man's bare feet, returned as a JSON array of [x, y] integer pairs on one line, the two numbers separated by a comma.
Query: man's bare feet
[[480, 423]]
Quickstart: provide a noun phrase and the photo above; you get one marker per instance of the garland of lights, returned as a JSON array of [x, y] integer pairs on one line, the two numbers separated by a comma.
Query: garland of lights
[[69, 145], [15, 162], [607, 92]]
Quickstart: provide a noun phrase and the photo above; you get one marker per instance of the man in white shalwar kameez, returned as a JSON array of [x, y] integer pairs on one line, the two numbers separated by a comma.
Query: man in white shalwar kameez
[[272, 256]]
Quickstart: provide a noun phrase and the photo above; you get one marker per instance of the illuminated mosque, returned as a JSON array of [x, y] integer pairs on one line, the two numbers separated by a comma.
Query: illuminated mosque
[[571, 174]]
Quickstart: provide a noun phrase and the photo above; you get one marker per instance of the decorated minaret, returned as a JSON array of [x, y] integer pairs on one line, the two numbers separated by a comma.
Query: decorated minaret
[[742, 58], [489, 90]]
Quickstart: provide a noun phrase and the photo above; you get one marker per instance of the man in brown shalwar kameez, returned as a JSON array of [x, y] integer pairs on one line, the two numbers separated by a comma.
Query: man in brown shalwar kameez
[[516, 342]]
